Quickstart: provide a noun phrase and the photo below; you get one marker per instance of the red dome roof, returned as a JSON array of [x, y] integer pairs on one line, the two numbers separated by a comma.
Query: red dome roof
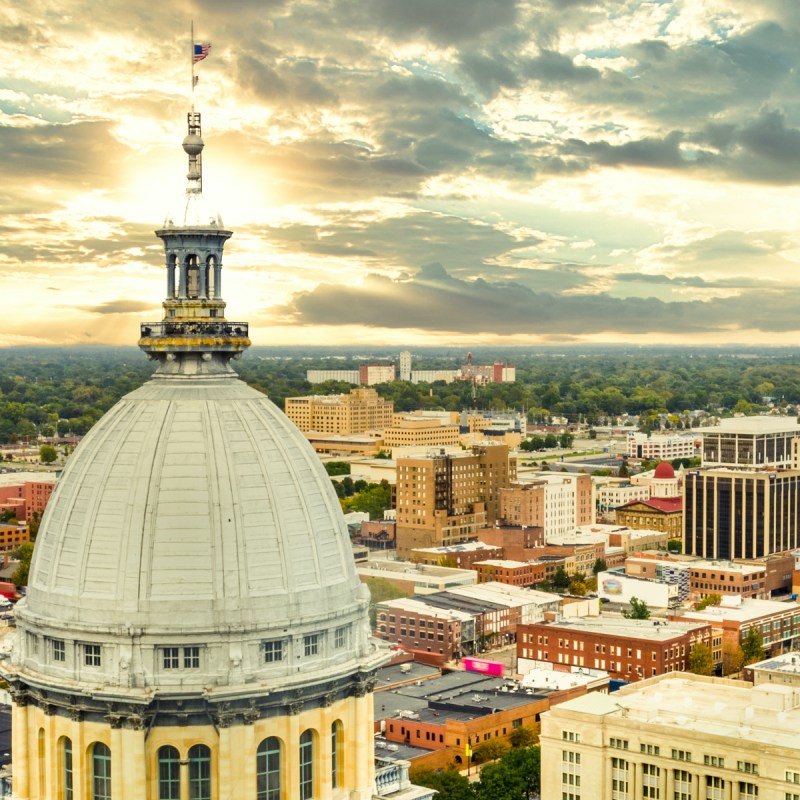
[[664, 471]]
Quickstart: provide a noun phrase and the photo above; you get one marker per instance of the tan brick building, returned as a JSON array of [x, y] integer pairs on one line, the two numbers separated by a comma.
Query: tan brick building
[[420, 432], [443, 499], [513, 573], [360, 411], [657, 514]]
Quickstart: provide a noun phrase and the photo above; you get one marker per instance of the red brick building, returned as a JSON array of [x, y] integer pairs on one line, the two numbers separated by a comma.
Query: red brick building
[[627, 649], [513, 573]]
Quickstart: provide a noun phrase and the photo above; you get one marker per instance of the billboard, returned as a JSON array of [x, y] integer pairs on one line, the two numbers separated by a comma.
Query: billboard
[[483, 666]]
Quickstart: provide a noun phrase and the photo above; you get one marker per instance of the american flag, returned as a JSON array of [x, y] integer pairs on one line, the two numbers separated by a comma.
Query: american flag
[[201, 51]]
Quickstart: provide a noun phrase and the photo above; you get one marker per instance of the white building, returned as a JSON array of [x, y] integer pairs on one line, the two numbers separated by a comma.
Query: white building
[[662, 446], [751, 442], [405, 366], [322, 375]]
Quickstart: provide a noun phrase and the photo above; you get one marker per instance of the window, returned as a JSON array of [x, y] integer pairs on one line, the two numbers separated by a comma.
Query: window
[[101, 769], [273, 651], [748, 791], [191, 658], [570, 736], [620, 744], [571, 773], [66, 768], [58, 650], [311, 644], [268, 769], [792, 777], [307, 765], [715, 788], [650, 780], [91, 655], [714, 761], [650, 749], [516, 723], [199, 772], [169, 772], [681, 755], [619, 779], [747, 766], [340, 638], [170, 657], [683, 784], [337, 753]]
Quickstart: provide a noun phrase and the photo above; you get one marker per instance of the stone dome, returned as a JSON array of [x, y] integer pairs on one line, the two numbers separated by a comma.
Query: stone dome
[[664, 471], [195, 511]]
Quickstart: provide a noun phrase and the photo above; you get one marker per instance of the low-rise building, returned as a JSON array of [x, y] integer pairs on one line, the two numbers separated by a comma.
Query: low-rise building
[[358, 412], [727, 577], [416, 578], [656, 514], [618, 587], [12, 535], [25, 494], [653, 565], [674, 736], [514, 573], [628, 649], [420, 432], [663, 447], [462, 556], [783, 669], [376, 534], [610, 493]]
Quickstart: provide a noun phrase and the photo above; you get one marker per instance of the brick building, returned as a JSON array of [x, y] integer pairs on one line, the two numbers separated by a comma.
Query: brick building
[[462, 556], [358, 412], [628, 649], [513, 573], [718, 577], [657, 514]]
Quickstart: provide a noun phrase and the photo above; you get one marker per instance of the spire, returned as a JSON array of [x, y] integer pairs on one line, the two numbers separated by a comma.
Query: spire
[[194, 336]]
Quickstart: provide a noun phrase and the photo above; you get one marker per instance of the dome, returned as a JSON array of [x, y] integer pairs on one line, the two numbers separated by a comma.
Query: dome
[[664, 471], [195, 511]]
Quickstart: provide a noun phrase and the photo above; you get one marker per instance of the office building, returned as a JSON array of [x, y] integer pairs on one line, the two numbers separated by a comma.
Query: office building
[[444, 498], [342, 414], [663, 447], [750, 442], [741, 514], [675, 736]]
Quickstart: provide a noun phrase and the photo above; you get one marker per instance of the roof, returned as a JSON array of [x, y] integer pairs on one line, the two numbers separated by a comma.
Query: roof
[[666, 505], [754, 425], [664, 471], [644, 629]]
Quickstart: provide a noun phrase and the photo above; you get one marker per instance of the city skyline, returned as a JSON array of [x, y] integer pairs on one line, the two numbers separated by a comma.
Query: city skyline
[[415, 173]]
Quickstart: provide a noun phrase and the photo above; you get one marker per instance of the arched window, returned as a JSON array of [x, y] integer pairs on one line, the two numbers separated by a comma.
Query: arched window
[[307, 765], [169, 773], [337, 754], [268, 769], [101, 772], [66, 768], [199, 772]]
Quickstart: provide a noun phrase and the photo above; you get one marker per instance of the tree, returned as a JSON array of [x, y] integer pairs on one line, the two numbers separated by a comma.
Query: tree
[[23, 554], [561, 579], [732, 657], [577, 587], [709, 600], [375, 498], [381, 589], [47, 454], [639, 610], [599, 566], [489, 751], [337, 467], [450, 784], [565, 440], [752, 647], [701, 660], [524, 736], [516, 776]]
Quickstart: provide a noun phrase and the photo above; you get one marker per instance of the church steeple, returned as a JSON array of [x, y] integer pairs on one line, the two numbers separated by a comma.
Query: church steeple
[[194, 335]]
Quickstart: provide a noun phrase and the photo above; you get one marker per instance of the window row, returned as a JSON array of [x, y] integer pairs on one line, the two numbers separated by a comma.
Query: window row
[[270, 768]]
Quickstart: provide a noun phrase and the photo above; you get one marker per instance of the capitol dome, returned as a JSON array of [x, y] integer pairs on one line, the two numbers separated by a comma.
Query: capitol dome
[[664, 472]]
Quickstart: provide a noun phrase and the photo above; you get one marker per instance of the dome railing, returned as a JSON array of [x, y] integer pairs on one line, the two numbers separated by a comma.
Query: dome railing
[[151, 330]]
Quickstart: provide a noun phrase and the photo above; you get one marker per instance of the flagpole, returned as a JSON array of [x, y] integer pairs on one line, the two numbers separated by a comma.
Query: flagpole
[[191, 58]]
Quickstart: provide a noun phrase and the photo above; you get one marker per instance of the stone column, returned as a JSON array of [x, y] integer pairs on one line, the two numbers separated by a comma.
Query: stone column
[[202, 265], [21, 738], [182, 282], [170, 278], [218, 277]]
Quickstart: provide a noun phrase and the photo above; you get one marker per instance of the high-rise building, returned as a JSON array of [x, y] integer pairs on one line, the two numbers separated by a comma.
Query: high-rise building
[[405, 365], [358, 412], [194, 626], [750, 442], [444, 498], [730, 514]]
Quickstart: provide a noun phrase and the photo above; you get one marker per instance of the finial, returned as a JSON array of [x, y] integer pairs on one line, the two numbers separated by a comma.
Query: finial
[[193, 147]]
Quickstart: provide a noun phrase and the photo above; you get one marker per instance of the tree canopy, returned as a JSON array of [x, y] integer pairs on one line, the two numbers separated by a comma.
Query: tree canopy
[[639, 610]]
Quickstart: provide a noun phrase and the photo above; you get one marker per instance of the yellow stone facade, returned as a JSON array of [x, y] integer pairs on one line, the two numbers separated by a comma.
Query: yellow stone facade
[[39, 740]]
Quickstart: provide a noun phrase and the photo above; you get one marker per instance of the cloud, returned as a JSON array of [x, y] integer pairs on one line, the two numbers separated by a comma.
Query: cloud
[[120, 307]]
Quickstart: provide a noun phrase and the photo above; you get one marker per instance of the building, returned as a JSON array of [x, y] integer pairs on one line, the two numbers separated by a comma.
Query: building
[[628, 649], [433, 375], [674, 736], [750, 442], [612, 493], [416, 578], [655, 566], [12, 535], [323, 375], [617, 586], [444, 498], [558, 504], [375, 372], [376, 534], [194, 625], [343, 414], [662, 481], [783, 669], [656, 514], [462, 556], [726, 577], [405, 365], [777, 623], [25, 494], [663, 446], [514, 573], [741, 514], [412, 431]]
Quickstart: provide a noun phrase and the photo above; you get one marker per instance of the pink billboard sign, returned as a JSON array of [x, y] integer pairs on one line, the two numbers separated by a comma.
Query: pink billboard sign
[[483, 666]]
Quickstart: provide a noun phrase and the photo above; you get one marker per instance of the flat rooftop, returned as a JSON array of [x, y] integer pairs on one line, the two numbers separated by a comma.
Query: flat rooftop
[[763, 715], [645, 629], [749, 609], [18, 478], [788, 664], [466, 547], [754, 425]]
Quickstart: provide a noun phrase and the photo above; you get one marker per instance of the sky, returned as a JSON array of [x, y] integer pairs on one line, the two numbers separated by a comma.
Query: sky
[[410, 172]]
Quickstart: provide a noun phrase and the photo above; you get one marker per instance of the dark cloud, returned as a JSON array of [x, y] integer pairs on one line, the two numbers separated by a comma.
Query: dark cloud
[[293, 83], [556, 68], [434, 300], [120, 307]]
